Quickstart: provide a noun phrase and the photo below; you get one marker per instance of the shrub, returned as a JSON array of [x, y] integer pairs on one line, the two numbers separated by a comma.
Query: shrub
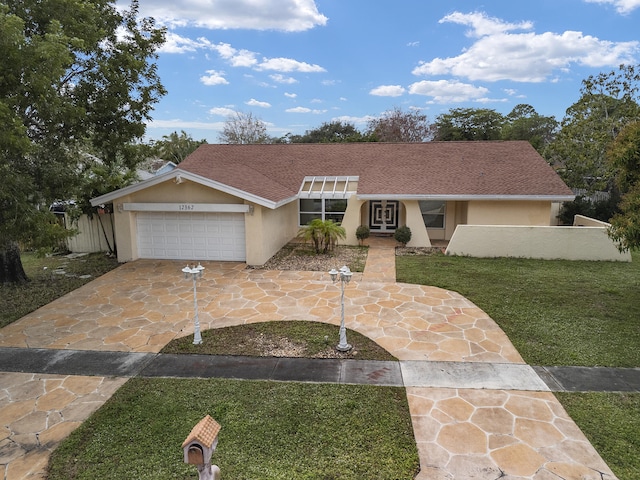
[[323, 233], [403, 235], [362, 233]]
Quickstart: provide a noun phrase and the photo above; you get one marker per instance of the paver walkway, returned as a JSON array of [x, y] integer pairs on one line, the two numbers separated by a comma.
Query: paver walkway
[[462, 430]]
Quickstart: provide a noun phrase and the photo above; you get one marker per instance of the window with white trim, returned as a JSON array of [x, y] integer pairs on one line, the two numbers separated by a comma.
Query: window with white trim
[[325, 198], [433, 213], [322, 208]]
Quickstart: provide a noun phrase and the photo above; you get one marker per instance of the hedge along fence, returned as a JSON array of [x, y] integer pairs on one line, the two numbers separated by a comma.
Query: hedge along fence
[[550, 243]]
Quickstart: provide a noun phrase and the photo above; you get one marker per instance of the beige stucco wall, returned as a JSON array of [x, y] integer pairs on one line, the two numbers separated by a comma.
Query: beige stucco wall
[[413, 219], [353, 218], [166, 192], [569, 243], [267, 231], [508, 213]]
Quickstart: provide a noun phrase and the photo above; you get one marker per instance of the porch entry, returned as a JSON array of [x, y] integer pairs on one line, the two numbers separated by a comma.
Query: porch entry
[[383, 215]]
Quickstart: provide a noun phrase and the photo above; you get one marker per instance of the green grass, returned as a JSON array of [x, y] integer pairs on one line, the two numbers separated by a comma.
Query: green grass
[[611, 422], [270, 430], [554, 312], [45, 286], [311, 339]]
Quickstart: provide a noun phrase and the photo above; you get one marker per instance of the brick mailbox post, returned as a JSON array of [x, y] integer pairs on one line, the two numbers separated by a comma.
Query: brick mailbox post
[[199, 446]]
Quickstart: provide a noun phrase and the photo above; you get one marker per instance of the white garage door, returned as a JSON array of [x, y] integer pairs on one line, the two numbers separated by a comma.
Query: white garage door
[[191, 236]]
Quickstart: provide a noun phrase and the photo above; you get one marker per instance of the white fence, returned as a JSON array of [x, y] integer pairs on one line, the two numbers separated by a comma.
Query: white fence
[[90, 237], [569, 243]]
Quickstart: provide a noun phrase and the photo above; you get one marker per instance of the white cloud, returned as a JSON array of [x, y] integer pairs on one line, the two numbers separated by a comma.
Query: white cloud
[[222, 111], [354, 120], [482, 25], [279, 78], [255, 103], [523, 57], [304, 110], [178, 44], [286, 15], [290, 95], [444, 91], [235, 57], [288, 65], [623, 7], [214, 78], [388, 91]]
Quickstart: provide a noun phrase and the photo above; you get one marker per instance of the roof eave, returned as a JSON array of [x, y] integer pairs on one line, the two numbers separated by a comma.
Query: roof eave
[[466, 198], [185, 175]]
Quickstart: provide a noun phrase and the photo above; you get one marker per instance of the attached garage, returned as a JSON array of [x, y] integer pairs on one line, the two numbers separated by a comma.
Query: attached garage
[[191, 235]]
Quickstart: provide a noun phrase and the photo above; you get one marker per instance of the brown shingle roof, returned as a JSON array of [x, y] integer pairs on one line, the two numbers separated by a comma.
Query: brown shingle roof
[[464, 169]]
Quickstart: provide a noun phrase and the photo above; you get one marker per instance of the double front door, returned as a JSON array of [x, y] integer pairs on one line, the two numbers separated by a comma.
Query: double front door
[[383, 215]]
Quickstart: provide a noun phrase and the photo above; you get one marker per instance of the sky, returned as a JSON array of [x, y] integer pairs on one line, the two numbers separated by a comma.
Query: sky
[[296, 64]]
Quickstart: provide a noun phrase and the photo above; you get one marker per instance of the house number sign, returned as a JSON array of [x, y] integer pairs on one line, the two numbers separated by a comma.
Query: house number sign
[[186, 207]]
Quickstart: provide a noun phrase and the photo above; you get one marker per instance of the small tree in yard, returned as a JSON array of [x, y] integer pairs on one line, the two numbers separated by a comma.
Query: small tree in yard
[[403, 235], [362, 233], [323, 233]]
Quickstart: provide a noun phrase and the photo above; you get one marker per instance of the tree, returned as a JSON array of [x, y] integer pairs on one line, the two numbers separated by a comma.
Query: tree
[[174, 147], [608, 102], [243, 128], [74, 74], [524, 123], [469, 124], [329, 132], [398, 126], [624, 157]]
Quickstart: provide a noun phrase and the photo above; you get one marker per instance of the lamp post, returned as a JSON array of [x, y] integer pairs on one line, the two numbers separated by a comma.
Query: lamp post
[[196, 273], [344, 277]]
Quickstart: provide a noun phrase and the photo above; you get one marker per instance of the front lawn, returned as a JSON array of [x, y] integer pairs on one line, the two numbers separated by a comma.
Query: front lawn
[[554, 312], [270, 430], [50, 278]]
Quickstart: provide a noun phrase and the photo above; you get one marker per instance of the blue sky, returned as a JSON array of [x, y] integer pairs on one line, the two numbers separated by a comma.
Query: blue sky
[[298, 63]]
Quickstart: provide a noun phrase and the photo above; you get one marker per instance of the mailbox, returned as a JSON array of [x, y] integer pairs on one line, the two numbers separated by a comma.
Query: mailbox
[[200, 445]]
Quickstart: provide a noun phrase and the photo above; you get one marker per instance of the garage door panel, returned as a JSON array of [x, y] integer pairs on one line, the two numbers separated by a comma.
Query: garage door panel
[[191, 236]]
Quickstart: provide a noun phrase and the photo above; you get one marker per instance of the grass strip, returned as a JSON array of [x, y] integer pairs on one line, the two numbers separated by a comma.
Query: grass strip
[[306, 339], [270, 430], [611, 422]]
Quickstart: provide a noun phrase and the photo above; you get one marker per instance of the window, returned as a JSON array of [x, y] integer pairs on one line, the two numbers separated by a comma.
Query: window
[[324, 209], [432, 213]]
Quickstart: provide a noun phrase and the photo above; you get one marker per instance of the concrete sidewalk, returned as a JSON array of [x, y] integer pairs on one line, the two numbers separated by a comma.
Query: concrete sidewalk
[[410, 373]]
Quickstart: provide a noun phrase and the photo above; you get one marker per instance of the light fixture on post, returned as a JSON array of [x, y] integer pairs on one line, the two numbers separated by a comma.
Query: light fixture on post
[[196, 274], [344, 277]]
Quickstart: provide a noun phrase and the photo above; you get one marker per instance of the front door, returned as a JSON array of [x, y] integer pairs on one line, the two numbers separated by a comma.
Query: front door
[[383, 215]]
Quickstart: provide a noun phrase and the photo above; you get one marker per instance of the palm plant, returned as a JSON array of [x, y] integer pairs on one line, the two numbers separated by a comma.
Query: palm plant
[[324, 234]]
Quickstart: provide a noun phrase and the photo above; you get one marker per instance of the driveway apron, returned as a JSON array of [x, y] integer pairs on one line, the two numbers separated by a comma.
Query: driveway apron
[[477, 409]]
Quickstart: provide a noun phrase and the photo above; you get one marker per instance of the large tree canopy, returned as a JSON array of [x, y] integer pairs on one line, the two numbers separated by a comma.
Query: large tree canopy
[[329, 132], [608, 102], [174, 147], [75, 75], [624, 157], [397, 126], [244, 128], [469, 124], [524, 123]]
